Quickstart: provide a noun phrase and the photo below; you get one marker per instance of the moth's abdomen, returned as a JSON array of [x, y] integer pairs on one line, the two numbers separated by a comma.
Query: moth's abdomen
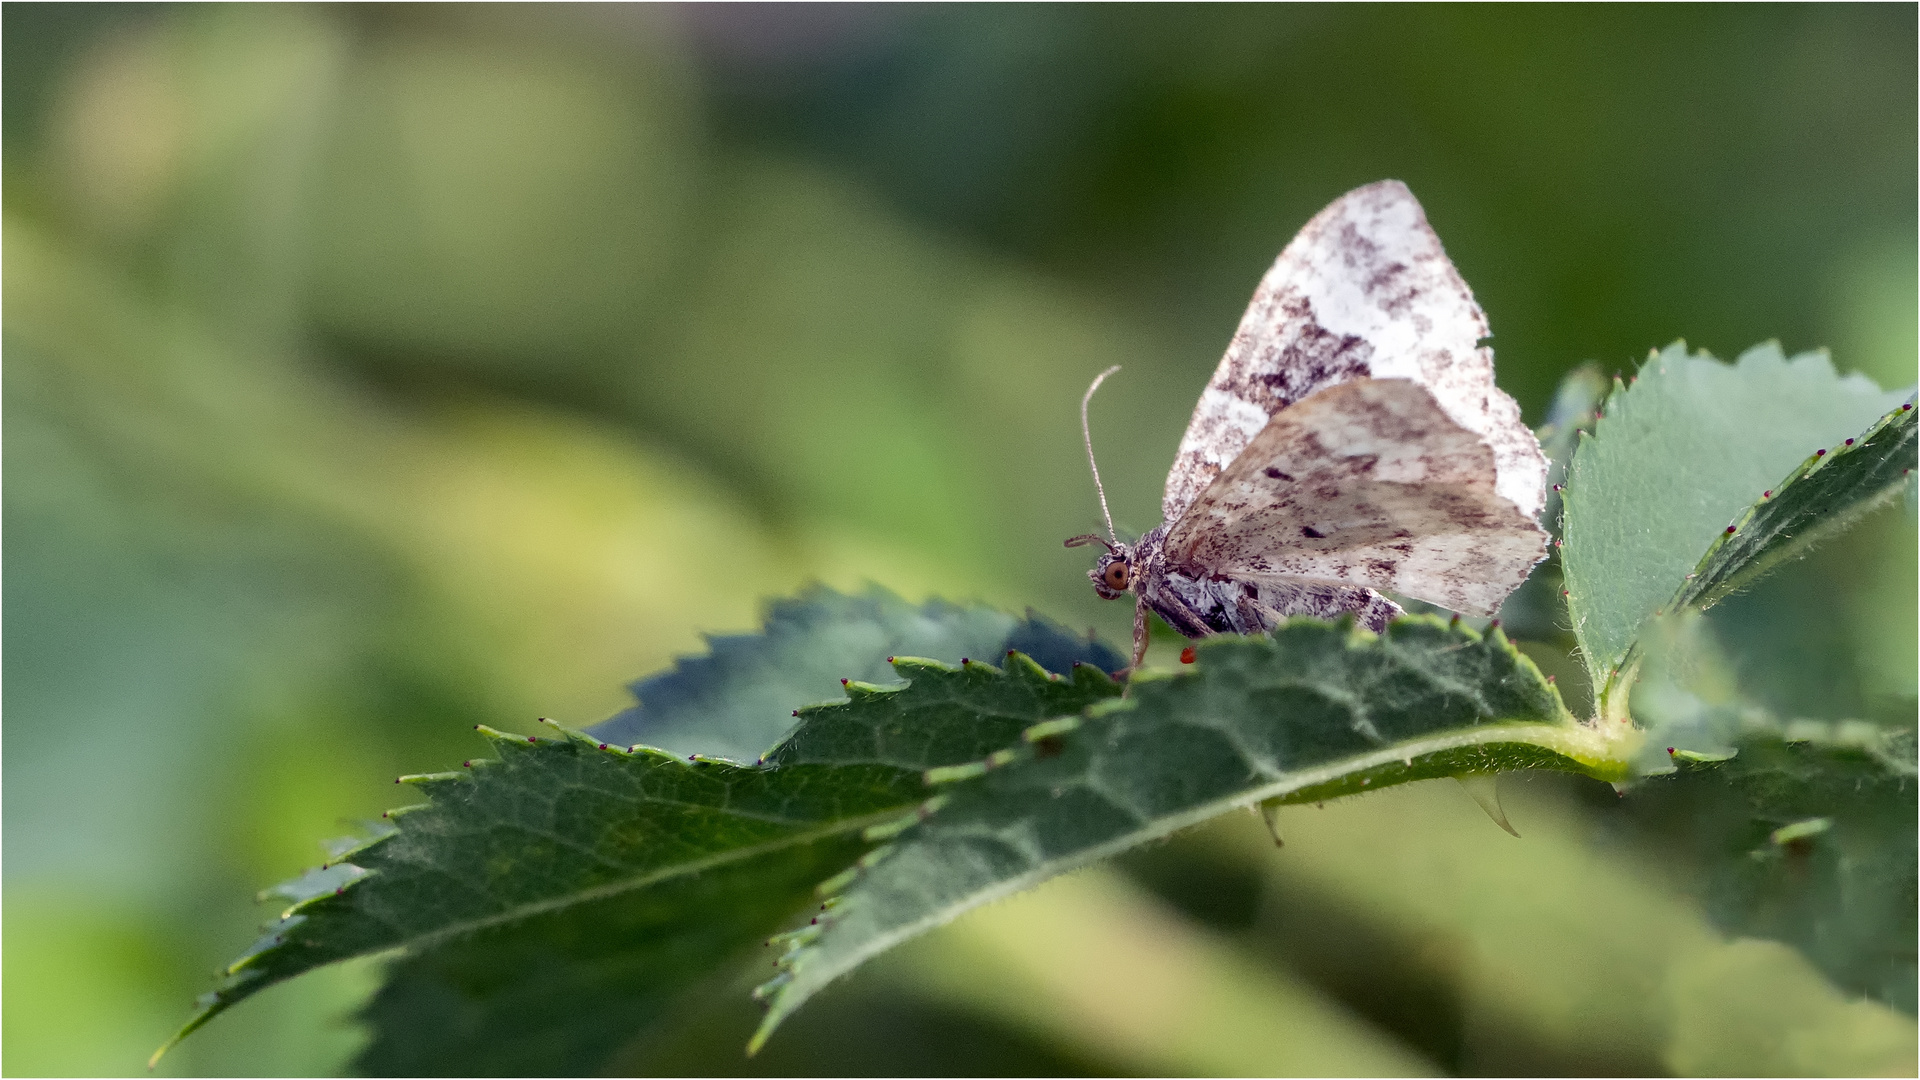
[[1200, 606]]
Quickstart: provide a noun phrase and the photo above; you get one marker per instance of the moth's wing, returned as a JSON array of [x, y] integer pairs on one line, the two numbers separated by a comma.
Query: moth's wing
[[1364, 291], [1367, 483]]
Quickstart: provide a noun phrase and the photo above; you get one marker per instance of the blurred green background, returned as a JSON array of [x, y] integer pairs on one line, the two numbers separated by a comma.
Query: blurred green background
[[372, 372]]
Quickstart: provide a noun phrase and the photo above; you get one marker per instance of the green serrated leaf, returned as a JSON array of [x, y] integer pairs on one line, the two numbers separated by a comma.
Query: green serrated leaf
[[1805, 835], [1314, 711], [1674, 460], [601, 860], [738, 699], [1830, 491], [1797, 830], [560, 993]]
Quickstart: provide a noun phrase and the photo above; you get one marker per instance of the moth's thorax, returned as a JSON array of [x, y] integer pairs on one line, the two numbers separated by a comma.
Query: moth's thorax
[[1148, 556], [1188, 599]]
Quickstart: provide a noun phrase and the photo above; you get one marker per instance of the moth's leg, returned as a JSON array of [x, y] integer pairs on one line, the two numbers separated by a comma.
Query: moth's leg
[[1175, 603], [1254, 617], [1139, 642]]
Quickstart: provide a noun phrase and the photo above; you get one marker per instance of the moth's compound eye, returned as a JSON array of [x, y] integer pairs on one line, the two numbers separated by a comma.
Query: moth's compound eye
[[1116, 575]]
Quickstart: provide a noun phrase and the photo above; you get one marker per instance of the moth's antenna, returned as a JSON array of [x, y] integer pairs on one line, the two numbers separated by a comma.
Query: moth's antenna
[[1086, 432]]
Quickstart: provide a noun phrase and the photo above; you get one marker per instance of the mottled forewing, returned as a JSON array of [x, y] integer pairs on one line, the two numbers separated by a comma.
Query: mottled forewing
[[1365, 290], [1367, 483]]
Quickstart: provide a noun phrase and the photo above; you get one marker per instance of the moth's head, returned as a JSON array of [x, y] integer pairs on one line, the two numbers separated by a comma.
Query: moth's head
[[1112, 574]]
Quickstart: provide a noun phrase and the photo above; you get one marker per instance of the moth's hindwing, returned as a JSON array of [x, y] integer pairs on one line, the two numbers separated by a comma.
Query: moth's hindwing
[[1369, 483]]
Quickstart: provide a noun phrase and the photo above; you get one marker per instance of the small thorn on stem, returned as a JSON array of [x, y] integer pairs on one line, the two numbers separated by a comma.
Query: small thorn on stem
[[1484, 789], [1269, 812]]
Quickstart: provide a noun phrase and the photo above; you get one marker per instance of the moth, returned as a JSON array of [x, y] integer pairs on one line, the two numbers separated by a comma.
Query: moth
[[1351, 443]]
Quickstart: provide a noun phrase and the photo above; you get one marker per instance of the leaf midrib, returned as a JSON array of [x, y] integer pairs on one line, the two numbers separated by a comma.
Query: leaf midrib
[[1587, 745], [615, 888]]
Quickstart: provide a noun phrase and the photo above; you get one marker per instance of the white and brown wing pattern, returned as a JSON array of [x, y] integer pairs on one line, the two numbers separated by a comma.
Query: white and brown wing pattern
[[1369, 483], [1364, 291], [1351, 442]]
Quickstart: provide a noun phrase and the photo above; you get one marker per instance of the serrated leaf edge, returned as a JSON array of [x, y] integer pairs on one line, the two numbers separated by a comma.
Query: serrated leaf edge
[[243, 969], [1602, 751], [1612, 701]]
